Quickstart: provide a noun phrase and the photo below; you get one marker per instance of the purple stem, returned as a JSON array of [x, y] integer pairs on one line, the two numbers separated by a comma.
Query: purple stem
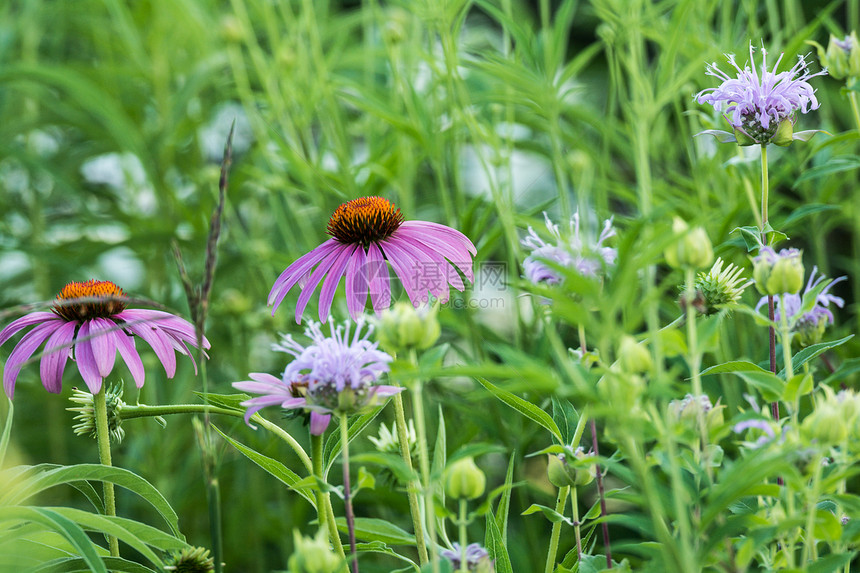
[[604, 526], [347, 500]]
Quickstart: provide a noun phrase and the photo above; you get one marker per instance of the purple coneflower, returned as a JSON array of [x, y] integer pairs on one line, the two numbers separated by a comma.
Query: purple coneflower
[[365, 233], [335, 373], [585, 255], [91, 319], [755, 105]]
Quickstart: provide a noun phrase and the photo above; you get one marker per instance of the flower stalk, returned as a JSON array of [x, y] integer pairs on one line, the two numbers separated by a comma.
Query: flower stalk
[[103, 437], [323, 498], [560, 502], [464, 566], [347, 499], [774, 407], [694, 358], [413, 486]]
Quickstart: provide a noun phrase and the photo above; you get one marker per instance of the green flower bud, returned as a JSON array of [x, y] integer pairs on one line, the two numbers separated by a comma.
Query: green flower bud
[[633, 357], [403, 327], [721, 286], [563, 473], [687, 412], [190, 560], [691, 249], [842, 57], [465, 480], [777, 274], [313, 554], [825, 425]]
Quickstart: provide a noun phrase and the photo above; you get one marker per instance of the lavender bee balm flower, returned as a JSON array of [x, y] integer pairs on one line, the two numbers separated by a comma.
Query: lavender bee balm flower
[[761, 107]]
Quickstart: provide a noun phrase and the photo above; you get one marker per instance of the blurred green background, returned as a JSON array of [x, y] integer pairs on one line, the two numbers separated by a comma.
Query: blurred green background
[[479, 115]]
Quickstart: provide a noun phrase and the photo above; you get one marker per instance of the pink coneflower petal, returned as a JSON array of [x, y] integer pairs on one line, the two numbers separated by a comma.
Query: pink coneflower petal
[[298, 270], [58, 348], [85, 357], [356, 283], [25, 321], [125, 345], [23, 351], [333, 279], [427, 272], [160, 345], [404, 268], [103, 343], [315, 278], [455, 251], [378, 279]]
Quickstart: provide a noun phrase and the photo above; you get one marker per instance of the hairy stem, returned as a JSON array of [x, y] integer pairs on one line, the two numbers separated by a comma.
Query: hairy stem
[[324, 498], [464, 567], [103, 437], [347, 500], [556, 529], [413, 486]]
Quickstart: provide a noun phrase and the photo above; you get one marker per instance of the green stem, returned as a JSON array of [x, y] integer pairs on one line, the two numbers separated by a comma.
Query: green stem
[[144, 411], [809, 550], [413, 486], [764, 191], [694, 360], [556, 529], [424, 463], [324, 498], [852, 97], [103, 437], [577, 527], [774, 407], [464, 567], [347, 500], [785, 336]]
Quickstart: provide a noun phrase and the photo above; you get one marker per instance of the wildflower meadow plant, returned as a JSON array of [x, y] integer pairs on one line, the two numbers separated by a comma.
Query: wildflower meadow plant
[[761, 105], [715, 432], [91, 321], [367, 232]]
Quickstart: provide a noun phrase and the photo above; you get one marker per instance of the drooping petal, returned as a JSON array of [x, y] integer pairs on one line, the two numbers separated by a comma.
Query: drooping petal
[[22, 352], [319, 423], [457, 248], [126, 347], [160, 344], [407, 271], [103, 343], [315, 278], [333, 279], [58, 348], [378, 279], [299, 269], [254, 405], [430, 272], [24, 322], [85, 357], [356, 283]]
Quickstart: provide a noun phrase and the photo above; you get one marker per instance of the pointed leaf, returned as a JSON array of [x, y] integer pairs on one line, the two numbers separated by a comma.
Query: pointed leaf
[[524, 407]]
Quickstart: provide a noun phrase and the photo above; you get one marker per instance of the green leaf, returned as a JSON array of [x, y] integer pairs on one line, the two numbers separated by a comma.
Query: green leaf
[[751, 237], [35, 479], [136, 535], [505, 502], [566, 417], [719, 135], [7, 430], [827, 526], [389, 461], [379, 547], [496, 547], [371, 529], [62, 525], [845, 369], [230, 401], [769, 385], [806, 210], [813, 351], [78, 565], [831, 563], [525, 408], [273, 467], [831, 166], [550, 513], [733, 367], [799, 385]]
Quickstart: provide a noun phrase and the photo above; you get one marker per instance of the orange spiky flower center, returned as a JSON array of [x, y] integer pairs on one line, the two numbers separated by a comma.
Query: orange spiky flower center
[[364, 221], [90, 299]]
